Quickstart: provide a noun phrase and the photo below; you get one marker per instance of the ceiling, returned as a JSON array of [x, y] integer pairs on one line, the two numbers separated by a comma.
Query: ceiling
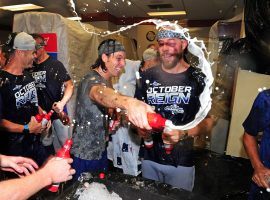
[[196, 9]]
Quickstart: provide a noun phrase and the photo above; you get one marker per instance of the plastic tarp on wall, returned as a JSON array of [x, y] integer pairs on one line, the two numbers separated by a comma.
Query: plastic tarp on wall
[[221, 36], [77, 49]]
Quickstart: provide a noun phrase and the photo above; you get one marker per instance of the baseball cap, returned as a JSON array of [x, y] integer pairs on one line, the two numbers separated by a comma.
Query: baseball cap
[[149, 54], [24, 41]]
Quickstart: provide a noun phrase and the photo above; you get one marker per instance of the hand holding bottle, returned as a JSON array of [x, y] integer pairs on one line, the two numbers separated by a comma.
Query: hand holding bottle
[[57, 170], [147, 137], [64, 152], [35, 127], [64, 118], [58, 106]]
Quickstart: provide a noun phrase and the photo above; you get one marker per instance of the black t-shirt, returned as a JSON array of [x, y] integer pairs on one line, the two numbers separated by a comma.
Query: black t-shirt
[[19, 103], [49, 76], [19, 97], [175, 97]]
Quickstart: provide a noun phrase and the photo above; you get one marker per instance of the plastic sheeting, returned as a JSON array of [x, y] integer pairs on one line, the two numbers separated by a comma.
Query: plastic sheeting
[[77, 49], [221, 36]]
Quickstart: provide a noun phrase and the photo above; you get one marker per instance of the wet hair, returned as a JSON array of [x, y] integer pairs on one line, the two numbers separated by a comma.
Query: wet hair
[[109, 43]]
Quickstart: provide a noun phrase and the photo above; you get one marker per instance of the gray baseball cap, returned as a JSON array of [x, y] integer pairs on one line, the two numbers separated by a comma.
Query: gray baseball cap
[[24, 41]]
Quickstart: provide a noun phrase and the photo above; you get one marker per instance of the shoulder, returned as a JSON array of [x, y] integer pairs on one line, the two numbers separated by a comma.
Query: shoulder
[[263, 96], [2, 73], [55, 62], [194, 71], [93, 78], [152, 71]]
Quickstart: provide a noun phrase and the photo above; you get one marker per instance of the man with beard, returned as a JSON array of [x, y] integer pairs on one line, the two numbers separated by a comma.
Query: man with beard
[[173, 88]]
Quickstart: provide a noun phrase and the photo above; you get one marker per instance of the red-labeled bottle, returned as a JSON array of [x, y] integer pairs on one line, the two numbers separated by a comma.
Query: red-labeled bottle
[[148, 142], [156, 121], [64, 152], [39, 117], [46, 118], [167, 147], [64, 118]]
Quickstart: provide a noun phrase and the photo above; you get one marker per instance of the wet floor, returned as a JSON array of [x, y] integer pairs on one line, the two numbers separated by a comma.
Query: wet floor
[[217, 177]]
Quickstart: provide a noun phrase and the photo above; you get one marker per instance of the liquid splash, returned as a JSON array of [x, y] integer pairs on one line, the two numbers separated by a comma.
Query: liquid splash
[[195, 47]]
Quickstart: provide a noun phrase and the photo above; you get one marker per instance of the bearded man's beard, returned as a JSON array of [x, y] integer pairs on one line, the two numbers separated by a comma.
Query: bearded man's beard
[[169, 64]]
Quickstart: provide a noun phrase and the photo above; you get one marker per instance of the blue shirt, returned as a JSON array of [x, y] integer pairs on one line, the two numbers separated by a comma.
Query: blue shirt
[[257, 121]]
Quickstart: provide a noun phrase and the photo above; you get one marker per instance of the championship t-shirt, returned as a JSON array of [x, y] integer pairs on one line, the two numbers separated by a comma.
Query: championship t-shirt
[[175, 97]]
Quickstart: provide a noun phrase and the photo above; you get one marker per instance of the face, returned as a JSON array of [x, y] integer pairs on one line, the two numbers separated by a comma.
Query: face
[[171, 51], [28, 58], [115, 62], [40, 48]]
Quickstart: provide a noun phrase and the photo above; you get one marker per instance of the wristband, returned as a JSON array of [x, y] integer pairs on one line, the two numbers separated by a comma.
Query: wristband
[[26, 129]]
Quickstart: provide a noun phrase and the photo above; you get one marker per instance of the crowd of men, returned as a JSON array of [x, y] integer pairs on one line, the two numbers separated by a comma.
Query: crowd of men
[[34, 83]]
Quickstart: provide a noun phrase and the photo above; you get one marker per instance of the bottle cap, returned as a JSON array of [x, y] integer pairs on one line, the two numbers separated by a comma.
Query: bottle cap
[[101, 175], [69, 142], [168, 148], [53, 188], [148, 144]]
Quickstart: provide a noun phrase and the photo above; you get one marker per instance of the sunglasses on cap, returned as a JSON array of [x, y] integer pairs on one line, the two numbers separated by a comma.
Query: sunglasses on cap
[[40, 45]]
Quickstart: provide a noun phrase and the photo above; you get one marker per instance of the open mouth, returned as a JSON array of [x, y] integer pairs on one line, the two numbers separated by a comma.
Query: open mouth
[[166, 56]]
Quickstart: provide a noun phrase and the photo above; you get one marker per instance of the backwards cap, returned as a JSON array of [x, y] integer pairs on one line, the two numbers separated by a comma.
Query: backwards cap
[[24, 41]]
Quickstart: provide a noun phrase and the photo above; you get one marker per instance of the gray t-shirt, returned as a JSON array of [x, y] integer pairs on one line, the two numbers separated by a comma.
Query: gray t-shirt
[[89, 130]]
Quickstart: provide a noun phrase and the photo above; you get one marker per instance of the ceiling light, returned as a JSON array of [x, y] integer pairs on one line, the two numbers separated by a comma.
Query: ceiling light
[[75, 18], [21, 7], [166, 13]]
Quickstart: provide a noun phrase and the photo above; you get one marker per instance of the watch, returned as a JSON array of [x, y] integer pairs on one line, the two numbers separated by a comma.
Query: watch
[[150, 36], [26, 129]]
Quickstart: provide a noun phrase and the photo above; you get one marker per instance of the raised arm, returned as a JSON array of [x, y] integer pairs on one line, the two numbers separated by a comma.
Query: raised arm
[[136, 110]]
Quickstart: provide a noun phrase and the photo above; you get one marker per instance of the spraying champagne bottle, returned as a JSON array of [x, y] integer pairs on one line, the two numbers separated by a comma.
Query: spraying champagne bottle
[[64, 152], [157, 122]]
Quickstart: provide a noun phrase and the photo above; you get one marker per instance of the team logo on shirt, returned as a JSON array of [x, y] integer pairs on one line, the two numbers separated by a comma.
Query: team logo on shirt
[[157, 94], [40, 79], [26, 94], [175, 109], [17, 87], [155, 84]]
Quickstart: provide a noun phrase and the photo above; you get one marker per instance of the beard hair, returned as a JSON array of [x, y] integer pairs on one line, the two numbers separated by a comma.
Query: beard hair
[[172, 64]]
